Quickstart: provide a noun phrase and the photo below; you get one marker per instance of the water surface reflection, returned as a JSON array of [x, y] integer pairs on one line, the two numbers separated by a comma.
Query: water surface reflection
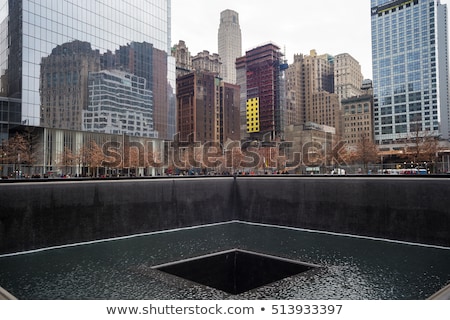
[[353, 268]]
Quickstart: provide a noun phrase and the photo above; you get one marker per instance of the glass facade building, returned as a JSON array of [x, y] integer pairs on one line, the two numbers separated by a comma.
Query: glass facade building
[[119, 103], [49, 47], [410, 69]]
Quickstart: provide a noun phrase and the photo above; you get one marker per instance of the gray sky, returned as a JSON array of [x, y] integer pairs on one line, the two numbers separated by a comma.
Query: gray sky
[[297, 26]]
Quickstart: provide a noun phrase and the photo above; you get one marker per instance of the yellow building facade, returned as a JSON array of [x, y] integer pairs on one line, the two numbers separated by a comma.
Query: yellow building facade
[[253, 124]]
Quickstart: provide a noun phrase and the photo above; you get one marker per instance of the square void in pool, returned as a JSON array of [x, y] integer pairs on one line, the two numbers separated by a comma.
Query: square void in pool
[[235, 271]]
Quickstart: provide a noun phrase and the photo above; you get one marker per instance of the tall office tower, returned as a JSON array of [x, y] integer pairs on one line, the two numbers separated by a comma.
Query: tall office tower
[[348, 78], [264, 69], [410, 70], [208, 108], [31, 30], [230, 44], [310, 88]]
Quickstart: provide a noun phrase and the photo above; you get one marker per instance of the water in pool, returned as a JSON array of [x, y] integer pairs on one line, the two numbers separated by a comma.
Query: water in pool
[[351, 268]]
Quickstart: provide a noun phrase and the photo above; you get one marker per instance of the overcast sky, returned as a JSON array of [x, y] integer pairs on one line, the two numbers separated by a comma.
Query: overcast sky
[[297, 26]]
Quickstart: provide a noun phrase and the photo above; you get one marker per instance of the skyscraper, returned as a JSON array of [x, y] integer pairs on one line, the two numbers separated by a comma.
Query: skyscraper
[[410, 69], [310, 86], [115, 32], [348, 78], [264, 68], [208, 108], [230, 44]]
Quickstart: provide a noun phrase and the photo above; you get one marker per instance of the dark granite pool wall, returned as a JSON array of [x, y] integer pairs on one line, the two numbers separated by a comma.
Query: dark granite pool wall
[[37, 215], [406, 209]]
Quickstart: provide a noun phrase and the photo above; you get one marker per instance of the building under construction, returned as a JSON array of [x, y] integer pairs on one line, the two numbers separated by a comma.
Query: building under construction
[[264, 68]]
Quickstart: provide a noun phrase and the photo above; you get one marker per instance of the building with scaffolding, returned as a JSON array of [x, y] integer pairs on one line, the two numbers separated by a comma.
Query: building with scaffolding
[[264, 82]]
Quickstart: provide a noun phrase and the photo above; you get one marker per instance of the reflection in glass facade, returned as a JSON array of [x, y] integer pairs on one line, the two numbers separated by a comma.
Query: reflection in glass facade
[[49, 47], [410, 69], [119, 103]]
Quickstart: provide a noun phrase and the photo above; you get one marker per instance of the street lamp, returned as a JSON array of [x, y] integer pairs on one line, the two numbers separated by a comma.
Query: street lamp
[[381, 158], [18, 166]]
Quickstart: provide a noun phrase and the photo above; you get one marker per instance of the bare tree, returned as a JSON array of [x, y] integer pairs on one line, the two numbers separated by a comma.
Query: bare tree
[[134, 160], [349, 154], [366, 152], [67, 159], [92, 157], [270, 157], [18, 152], [424, 149], [422, 146], [362, 153], [430, 151]]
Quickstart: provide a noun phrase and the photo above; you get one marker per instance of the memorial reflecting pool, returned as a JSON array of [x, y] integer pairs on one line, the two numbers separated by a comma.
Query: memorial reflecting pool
[[350, 268]]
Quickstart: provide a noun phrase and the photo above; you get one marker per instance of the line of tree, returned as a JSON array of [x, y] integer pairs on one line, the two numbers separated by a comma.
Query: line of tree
[[20, 151]]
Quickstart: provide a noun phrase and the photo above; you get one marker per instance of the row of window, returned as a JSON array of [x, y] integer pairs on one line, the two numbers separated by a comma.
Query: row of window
[[404, 128], [348, 131], [354, 109], [357, 124]]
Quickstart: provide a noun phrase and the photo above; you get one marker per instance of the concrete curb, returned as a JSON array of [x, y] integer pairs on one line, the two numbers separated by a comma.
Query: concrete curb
[[443, 294], [5, 295]]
